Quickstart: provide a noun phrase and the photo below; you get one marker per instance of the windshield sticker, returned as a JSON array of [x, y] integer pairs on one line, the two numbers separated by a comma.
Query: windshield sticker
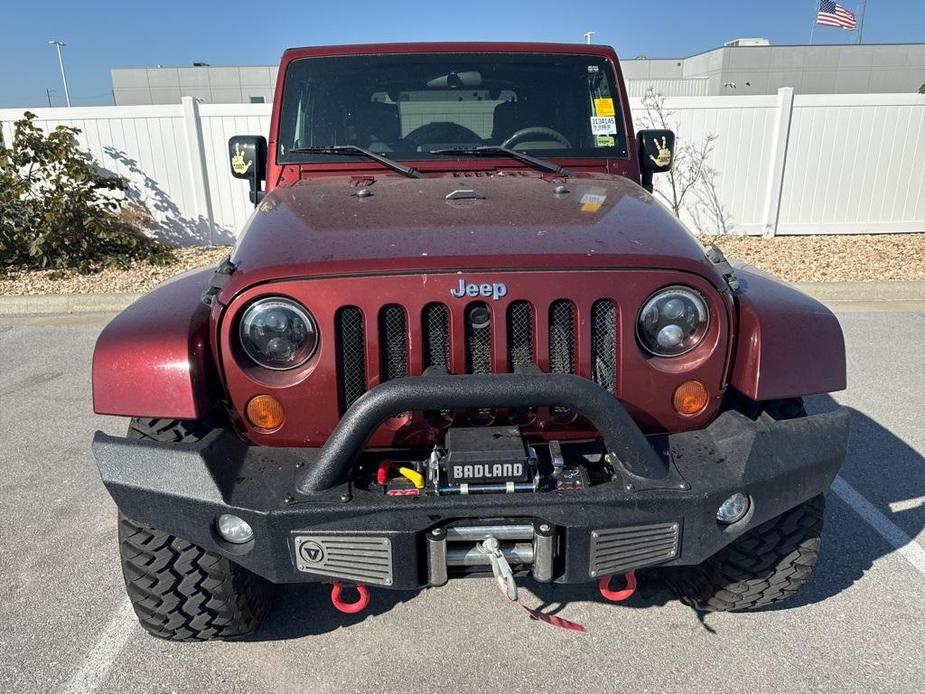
[[603, 107], [593, 68], [593, 200], [603, 125], [605, 140]]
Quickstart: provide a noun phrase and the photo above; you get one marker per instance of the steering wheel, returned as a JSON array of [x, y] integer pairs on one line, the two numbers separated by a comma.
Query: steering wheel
[[442, 132], [525, 134]]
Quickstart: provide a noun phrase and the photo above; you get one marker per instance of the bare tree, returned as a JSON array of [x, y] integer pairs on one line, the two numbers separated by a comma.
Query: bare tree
[[691, 184], [708, 213]]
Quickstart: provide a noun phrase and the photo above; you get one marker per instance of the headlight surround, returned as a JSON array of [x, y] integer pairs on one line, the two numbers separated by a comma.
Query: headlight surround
[[278, 333], [672, 321]]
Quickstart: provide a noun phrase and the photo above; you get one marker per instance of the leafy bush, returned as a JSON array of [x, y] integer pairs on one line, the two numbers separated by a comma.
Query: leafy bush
[[58, 210]]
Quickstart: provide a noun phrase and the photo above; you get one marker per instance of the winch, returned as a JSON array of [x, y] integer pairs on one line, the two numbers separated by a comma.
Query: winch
[[492, 460]]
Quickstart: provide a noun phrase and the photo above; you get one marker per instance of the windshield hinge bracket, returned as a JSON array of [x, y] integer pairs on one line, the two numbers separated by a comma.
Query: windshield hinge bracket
[[716, 256], [219, 279]]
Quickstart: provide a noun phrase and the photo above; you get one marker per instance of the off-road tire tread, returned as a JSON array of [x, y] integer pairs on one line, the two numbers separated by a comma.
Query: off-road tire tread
[[166, 430], [181, 592], [764, 566]]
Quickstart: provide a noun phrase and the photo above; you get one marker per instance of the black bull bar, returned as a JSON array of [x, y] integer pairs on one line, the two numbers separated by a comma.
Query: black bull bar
[[624, 441]]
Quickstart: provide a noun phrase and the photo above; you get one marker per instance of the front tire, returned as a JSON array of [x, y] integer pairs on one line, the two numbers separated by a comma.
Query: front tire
[[181, 592], [764, 566]]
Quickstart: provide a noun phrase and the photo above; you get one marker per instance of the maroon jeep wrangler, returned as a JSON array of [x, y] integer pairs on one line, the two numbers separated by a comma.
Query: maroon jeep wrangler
[[458, 336]]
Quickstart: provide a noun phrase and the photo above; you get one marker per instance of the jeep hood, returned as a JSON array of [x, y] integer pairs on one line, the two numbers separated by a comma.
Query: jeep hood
[[516, 220]]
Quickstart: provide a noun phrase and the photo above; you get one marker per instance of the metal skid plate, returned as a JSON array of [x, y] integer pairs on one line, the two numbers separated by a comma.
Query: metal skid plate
[[356, 558], [617, 549]]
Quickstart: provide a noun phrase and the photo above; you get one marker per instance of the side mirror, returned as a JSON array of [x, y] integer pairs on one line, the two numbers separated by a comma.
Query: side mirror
[[656, 153], [248, 157]]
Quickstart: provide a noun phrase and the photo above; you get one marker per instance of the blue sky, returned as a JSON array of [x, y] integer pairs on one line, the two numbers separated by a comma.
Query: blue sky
[[104, 34]]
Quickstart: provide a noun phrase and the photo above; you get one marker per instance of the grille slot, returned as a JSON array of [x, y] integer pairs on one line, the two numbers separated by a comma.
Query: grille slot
[[562, 337], [350, 337], [618, 549], [520, 335], [393, 341], [436, 326], [478, 338], [604, 344]]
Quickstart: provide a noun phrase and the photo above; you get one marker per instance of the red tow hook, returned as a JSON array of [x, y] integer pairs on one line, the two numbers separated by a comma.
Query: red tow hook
[[618, 595], [349, 607]]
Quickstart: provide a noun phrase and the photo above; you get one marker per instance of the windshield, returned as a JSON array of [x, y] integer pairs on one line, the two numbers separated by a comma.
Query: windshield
[[404, 106]]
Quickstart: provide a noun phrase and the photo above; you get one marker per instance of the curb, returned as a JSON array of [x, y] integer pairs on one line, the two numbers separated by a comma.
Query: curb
[[64, 303], [842, 295], [866, 292]]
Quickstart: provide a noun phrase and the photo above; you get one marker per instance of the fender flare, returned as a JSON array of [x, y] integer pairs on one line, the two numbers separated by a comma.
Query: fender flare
[[154, 358], [788, 344]]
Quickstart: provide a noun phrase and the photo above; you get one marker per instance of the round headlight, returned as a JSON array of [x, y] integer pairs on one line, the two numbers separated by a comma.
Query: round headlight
[[673, 321], [278, 333]]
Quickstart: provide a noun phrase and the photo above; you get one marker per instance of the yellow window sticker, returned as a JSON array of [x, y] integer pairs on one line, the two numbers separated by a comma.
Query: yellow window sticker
[[604, 107], [605, 141]]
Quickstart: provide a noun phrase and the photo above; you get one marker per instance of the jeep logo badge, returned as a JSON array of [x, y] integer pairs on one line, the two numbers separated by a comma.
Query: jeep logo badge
[[495, 290]]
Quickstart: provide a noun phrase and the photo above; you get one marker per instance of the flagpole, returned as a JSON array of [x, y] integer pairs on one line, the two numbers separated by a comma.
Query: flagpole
[[861, 23], [812, 32]]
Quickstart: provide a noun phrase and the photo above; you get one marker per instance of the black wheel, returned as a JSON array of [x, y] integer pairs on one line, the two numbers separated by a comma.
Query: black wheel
[[179, 591], [764, 566]]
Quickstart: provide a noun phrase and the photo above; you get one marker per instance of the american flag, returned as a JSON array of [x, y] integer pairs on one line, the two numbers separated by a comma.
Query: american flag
[[834, 15]]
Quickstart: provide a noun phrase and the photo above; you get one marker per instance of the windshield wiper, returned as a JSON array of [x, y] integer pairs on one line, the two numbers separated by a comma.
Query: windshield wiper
[[349, 150], [495, 151]]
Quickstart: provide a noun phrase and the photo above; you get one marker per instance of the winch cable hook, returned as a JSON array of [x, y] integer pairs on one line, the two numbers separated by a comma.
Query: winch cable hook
[[618, 595], [349, 607], [508, 586]]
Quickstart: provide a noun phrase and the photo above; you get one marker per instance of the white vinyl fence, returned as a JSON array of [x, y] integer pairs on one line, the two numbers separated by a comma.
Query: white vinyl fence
[[782, 164]]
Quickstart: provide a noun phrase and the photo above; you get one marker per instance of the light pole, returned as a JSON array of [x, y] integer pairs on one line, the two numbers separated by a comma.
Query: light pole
[[58, 45], [588, 35], [48, 93]]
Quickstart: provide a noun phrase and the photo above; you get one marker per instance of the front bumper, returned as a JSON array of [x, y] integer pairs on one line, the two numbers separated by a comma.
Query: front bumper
[[182, 488]]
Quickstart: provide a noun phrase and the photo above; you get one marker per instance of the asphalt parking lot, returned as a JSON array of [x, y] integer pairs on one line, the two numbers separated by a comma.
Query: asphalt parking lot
[[65, 624]]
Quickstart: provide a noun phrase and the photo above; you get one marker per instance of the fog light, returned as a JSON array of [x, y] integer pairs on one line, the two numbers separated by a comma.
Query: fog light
[[733, 509], [234, 529]]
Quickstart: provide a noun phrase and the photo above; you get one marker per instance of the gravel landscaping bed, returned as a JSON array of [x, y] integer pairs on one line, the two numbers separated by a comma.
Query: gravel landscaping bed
[[845, 258], [880, 257], [139, 277]]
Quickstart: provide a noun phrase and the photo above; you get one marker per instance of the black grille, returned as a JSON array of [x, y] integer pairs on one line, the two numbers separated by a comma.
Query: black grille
[[562, 337], [431, 334], [351, 354], [393, 341], [436, 326], [604, 344], [520, 335], [478, 338]]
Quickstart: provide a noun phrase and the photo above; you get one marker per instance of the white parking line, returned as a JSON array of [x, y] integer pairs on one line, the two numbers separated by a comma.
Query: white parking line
[[913, 552], [907, 504], [100, 658]]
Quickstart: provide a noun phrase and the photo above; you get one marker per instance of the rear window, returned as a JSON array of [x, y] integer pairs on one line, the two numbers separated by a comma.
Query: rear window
[[403, 106]]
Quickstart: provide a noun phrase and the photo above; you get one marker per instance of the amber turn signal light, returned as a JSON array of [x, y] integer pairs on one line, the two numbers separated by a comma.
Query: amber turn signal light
[[690, 398], [265, 412]]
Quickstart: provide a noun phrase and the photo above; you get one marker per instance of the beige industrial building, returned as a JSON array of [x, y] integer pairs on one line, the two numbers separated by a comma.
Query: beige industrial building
[[744, 66]]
